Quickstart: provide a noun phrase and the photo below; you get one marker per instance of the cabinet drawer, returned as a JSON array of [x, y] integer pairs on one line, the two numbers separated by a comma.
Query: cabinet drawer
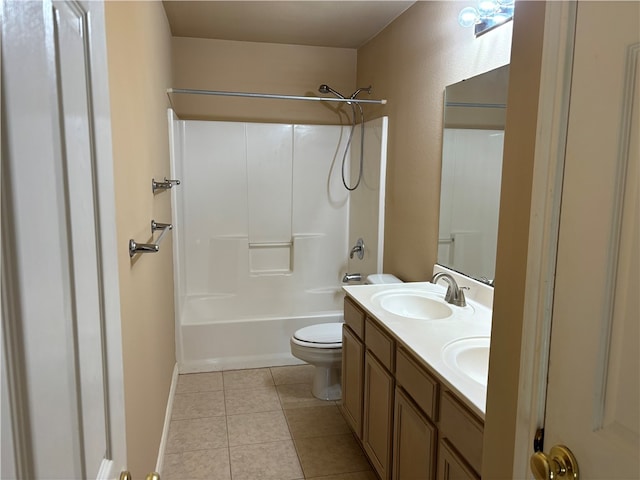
[[462, 429], [354, 317], [380, 344], [417, 383]]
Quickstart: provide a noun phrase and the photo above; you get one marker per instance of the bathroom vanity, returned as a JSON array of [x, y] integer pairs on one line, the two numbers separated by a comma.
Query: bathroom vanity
[[414, 380]]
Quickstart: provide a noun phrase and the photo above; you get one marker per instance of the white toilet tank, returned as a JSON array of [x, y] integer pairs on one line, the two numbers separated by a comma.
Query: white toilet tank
[[381, 278]]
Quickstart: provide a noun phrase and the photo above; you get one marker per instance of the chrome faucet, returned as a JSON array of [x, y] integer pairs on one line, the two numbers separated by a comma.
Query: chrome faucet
[[351, 277], [455, 294], [358, 249]]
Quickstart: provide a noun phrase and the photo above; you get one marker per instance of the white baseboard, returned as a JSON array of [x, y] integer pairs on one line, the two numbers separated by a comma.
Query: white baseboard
[[238, 363], [167, 420]]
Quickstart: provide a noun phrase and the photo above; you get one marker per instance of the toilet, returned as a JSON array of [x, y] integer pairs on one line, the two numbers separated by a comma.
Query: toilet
[[320, 345]]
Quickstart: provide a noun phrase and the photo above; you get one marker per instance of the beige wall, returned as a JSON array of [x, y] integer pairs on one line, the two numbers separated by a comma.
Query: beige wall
[[513, 238], [139, 46], [259, 67], [410, 63]]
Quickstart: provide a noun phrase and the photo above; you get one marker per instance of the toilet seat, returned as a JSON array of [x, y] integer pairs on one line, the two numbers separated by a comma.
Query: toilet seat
[[323, 335]]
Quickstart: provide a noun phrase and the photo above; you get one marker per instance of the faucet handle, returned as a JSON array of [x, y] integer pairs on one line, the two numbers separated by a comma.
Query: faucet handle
[[461, 301], [455, 296], [358, 249]]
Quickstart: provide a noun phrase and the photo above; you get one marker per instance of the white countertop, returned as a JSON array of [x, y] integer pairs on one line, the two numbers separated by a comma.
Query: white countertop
[[426, 338]]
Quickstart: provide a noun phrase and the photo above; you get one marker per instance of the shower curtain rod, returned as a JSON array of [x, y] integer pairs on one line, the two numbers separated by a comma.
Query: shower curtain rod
[[189, 91]]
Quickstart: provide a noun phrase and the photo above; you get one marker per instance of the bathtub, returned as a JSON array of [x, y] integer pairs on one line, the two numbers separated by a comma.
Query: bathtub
[[230, 331]]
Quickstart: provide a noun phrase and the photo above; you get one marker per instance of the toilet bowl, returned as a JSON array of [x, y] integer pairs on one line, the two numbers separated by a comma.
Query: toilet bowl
[[321, 346]]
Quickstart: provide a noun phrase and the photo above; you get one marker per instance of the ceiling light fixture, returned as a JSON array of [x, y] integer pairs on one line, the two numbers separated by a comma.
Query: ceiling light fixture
[[486, 15]]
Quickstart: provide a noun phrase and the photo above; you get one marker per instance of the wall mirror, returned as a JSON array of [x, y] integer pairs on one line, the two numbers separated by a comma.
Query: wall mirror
[[473, 137]]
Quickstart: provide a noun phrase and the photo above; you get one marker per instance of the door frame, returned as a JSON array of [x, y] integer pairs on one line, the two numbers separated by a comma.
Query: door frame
[[544, 223], [13, 355]]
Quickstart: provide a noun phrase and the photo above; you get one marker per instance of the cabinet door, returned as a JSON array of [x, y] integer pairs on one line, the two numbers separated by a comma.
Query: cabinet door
[[352, 379], [414, 442], [378, 415], [451, 466]]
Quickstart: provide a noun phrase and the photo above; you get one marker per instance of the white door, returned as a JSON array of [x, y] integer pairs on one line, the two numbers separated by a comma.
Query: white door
[[62, 363], [592, 397]]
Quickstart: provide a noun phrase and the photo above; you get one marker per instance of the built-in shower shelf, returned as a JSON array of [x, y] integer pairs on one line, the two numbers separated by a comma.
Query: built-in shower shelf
[[270, 258]]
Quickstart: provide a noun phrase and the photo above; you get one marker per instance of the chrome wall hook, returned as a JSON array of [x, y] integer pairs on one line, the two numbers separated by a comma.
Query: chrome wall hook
[[167, 184]]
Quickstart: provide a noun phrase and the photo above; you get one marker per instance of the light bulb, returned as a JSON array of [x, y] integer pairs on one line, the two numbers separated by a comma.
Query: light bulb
[[486, 8], [468, 17]]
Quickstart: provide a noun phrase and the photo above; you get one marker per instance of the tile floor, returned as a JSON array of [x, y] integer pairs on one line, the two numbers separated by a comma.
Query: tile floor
[[261, 424]]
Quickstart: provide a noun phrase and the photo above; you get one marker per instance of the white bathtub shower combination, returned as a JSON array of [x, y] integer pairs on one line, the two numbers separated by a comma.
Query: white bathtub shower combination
[[261, 237]]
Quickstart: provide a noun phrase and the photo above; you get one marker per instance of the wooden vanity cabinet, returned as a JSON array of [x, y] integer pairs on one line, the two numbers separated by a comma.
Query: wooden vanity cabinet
[[414, 441], [451, 466], [379, 390], [353, 366], [378, 415], [416, 411], [410, 426], [368, 385], [461, 435], [352, 378]]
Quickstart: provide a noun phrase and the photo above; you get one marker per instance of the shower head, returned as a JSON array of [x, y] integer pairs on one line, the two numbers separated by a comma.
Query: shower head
[[327, 89]]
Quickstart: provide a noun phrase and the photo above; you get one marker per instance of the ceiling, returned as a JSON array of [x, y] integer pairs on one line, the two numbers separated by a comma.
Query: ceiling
[[344, 24]]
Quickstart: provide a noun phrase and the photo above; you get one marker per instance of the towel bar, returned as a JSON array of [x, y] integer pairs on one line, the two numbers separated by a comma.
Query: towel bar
[[135, 247]]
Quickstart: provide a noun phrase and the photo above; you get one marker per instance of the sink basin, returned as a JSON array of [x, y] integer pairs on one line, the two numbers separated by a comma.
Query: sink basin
[[415, 305], [469, 356]]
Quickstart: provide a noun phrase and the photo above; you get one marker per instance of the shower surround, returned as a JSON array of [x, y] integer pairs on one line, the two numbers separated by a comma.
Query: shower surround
[[262, 232]]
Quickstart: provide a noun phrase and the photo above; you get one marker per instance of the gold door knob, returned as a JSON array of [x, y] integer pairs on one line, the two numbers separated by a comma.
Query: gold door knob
[[124, 475], [560, 463], [153, 476]]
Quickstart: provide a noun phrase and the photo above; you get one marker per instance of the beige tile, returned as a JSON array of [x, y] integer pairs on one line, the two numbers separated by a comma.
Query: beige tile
[[260, 427], [330, 455], [299, 396], [265, 461], [198, 405], [198, 465], [199, 382], [367, 475], [257, 377], [293, 374], [197, 434], [253, 400], [316, 422]]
